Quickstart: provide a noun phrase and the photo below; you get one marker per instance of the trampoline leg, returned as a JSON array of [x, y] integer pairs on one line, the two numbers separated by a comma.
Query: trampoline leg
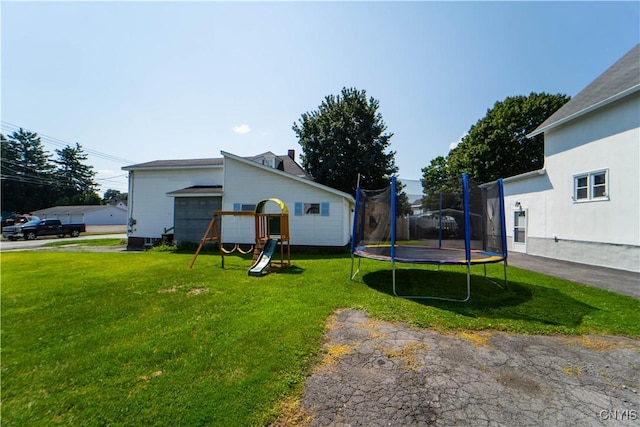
[[495, 282], [393, 269], [353, 275], [468, 283], [506, 282], [419, 297]]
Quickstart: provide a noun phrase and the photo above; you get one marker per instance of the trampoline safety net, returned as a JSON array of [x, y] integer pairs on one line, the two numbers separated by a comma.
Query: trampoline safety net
[[467, 221]]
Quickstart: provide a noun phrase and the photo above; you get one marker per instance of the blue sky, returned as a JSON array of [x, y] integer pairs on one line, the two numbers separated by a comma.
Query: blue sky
[[140, 81]]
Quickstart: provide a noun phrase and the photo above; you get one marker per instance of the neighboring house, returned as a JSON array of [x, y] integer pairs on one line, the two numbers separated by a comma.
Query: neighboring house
[[413, 190], [584, 205], [180, 196], [89, 214]]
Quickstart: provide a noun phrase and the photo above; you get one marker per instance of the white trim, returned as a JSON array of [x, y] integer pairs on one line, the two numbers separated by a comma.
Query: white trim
[[524, 176], [520, 246], [584, 111], [590, 186]]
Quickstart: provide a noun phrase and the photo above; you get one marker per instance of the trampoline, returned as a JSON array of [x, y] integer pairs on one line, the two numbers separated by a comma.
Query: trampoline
[[463, 229], [426, 255]]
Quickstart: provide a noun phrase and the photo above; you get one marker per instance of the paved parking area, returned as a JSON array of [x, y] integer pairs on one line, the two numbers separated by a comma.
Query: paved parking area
[[385, 374], [620, 281]]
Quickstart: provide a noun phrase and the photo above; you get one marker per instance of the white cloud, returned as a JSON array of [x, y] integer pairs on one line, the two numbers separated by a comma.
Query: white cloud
[[241, 129], [455, 143]]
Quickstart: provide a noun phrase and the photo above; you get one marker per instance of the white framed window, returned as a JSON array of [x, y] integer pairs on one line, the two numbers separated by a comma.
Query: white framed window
[[321, 208], [591, 186]]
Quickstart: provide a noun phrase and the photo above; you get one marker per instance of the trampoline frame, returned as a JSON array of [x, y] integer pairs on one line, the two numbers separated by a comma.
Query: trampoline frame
[[468, 262]]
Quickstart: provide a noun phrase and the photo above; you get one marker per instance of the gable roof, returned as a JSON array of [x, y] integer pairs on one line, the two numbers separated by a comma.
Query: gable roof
[[620, 80], [305, 181], [172, 164], [284, 163], [76, 210], [198, 190]]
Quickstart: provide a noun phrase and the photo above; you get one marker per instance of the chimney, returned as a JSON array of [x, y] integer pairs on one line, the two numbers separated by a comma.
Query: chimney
[[292, 154]]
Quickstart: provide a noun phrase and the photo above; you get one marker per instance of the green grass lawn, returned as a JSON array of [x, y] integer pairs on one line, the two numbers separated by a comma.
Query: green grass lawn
[[139, 339], [91, 243]]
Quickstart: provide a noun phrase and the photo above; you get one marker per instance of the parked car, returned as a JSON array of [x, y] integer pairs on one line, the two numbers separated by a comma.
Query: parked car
[[42, 227], [16, 219]]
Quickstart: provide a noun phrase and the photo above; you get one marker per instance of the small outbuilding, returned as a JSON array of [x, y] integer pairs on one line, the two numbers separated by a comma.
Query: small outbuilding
[[90, 214]]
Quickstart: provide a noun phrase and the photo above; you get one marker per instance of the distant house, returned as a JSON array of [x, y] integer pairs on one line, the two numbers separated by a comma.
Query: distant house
[[413, 190], [90, 215], [180, 196], [584, 205]]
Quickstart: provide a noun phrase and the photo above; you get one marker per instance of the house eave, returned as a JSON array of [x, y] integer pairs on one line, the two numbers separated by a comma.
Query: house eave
[[524, 176], [171, 167], [585, 111]]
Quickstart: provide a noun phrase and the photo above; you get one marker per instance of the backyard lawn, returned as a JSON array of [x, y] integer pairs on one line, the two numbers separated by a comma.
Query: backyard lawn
[[100, 338]]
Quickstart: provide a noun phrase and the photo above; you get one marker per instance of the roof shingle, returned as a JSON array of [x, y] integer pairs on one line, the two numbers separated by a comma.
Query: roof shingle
[[621, 78]]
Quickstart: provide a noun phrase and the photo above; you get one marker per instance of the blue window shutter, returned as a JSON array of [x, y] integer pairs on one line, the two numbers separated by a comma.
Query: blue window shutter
[[324, 209], [237, 206], [298, 209]]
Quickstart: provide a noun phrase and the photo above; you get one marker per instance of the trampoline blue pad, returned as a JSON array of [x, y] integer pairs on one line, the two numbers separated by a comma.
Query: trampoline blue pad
[[426, 255]]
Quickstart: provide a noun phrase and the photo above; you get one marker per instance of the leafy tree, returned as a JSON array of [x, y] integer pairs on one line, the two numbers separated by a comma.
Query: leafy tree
[[344, 137], [438, 179], [497, 145], [27, 174], [403, 204], [77, 180], [114, 196]]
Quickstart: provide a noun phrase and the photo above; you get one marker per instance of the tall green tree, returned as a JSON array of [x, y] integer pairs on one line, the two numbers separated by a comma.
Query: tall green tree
[[497, 145], [76, 179], [27, 173], [343, 137]]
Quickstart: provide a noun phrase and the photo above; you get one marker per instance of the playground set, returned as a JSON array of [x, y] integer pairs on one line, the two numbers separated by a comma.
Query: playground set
[[271, 234]]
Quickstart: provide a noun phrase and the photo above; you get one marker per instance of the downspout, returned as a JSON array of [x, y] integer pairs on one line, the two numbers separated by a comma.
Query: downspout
[[130, 220]]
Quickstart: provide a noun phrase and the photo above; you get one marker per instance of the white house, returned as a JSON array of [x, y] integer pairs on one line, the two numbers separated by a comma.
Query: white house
[[88, 214], [180, 196], [584, 205]]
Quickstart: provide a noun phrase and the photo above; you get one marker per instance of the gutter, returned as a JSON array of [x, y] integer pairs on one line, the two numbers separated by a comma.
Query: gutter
[[524, 176]]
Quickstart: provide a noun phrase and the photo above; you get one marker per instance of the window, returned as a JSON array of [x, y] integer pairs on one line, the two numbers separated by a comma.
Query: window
[[519, 226], [244, 207], [321, 209], [591, 186], [311, 208]]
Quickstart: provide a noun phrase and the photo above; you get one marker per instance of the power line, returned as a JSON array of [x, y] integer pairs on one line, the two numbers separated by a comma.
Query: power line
[[9, 127]]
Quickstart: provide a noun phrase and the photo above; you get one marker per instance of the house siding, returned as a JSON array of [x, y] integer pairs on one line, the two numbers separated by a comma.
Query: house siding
[[600, 232], [248, 185], [149, 205]]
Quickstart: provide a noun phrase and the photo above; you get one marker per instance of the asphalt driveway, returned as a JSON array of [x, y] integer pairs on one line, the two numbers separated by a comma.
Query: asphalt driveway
[[385, 374]]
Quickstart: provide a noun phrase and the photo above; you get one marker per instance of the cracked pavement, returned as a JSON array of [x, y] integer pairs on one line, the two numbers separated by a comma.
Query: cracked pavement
[[387, 374]]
